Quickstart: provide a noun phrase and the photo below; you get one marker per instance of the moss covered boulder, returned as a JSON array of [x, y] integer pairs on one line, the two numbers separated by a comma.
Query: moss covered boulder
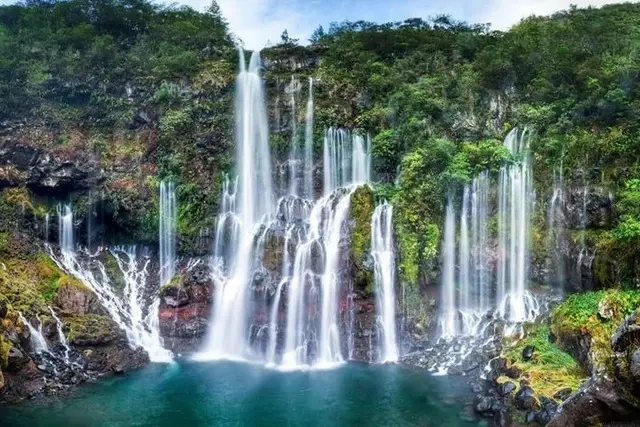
[[74, 297]]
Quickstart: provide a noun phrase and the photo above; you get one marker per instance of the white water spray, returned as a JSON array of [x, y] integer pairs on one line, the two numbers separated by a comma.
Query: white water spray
[[384, 270]]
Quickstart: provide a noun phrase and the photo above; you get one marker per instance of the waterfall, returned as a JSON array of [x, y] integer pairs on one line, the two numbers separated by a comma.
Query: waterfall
[[227, 337], [449, 321], [463, 308], [281, 295], [46, 227], [294, 152], [382, 252], [126, 307], [516, 202], [308, 146], [61, 337], [554, 231], [168, 214], [346, 157], [38, 343], [329, 342]]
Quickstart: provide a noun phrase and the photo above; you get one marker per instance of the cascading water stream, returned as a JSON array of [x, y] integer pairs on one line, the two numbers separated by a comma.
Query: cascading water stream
[[127, 307], [384, 272], [61, 337], [168, 215], [308, 146], [228, 337], [449, 323], [467, 297], [38, 342], [347, 159]]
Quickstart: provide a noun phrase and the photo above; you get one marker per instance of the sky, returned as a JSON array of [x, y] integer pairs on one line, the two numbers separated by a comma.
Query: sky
[[260, 22]]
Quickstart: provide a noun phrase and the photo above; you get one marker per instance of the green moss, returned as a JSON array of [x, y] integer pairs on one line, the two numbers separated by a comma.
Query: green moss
[[361, 210], [175, 282], [550, 369], [5, 346], [90, 327], [113, 271], [578, 315]]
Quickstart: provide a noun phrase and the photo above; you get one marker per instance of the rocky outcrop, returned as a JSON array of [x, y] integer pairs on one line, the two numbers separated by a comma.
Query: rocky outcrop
[[609, 396], [185, 307], [43, 172]]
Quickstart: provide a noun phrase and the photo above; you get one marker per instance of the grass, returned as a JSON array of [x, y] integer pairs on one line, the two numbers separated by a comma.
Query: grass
[[551, 369]]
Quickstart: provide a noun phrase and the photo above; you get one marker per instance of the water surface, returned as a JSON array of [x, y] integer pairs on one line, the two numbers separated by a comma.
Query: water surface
[[236, 394]]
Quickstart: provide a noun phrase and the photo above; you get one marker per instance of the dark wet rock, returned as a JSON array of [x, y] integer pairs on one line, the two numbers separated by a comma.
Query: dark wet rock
[[484, 405], [512, 372], [117, 358], [506, 388], [562, 394], [16, 360], [26, 383], [597, 401], [502, 418], [525, 399], [527, 352], [185, 307]]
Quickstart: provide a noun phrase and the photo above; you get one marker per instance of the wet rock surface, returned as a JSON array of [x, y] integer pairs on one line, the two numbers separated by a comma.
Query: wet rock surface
[[185, 308]]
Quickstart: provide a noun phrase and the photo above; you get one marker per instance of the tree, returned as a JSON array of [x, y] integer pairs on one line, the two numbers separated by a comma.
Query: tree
[[286, 40]]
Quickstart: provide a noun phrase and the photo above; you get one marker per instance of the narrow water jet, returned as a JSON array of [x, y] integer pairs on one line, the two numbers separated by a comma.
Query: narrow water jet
[[168, 215], [382, 251]]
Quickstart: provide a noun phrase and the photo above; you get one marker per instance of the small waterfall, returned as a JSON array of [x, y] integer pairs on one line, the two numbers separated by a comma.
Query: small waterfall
[[308, 146], [168, 214], [554, 229], [126, 308], [382, 252], [38, 343], [228, 337], [227, 228], [46, 227], [449, 323], [61, 336], [347, 159], [294, 154]]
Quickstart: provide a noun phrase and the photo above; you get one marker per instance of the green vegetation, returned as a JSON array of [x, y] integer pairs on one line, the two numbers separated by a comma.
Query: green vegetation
[[90, 328], [360, 210], [551, 369], [595, 315]]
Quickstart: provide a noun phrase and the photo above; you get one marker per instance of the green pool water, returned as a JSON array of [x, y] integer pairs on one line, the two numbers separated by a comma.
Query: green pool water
[[236, 394]]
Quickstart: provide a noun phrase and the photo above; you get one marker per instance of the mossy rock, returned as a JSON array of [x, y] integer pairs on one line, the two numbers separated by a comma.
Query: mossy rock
[[591, 318], [91, 329], [5, 346], [550, 369], [74, 297], [361, 210], [113, 272]]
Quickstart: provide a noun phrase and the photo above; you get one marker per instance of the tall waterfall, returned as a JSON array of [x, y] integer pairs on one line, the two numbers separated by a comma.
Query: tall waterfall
[[347, 158], [134, 312], [294, 153], [308, 145], [516, 197], [449, 323], [282, 295], [254, 205], [168, 215], [469, 295], [384, 270], [554, 228]]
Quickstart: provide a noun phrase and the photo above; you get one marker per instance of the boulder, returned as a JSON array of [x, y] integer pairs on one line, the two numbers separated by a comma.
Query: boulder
[[16, 360], [527, 352], [73, 297]]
